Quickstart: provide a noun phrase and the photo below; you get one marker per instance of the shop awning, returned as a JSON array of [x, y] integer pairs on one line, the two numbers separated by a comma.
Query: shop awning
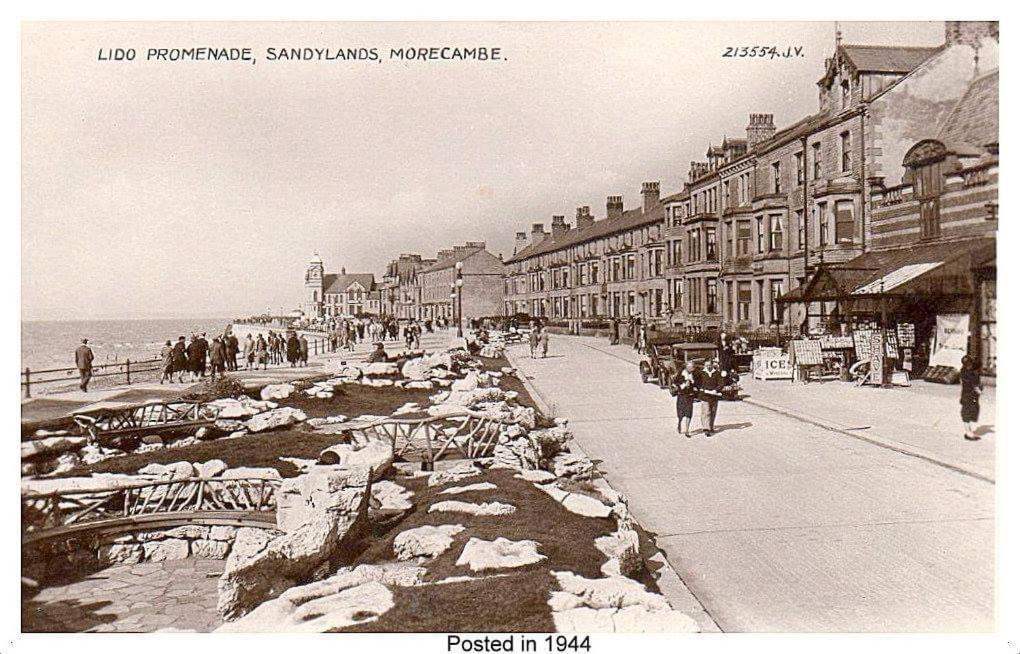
[[935, 269]]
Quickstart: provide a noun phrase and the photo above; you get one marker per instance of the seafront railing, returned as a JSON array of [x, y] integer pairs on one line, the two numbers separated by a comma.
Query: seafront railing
[[124, 369]]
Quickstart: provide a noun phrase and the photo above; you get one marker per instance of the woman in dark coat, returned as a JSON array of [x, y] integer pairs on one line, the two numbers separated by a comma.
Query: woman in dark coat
[[970, 392], [180, 357], [293, 349]]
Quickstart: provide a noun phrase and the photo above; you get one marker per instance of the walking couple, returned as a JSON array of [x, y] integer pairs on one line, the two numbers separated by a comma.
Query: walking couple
[[692, 385]]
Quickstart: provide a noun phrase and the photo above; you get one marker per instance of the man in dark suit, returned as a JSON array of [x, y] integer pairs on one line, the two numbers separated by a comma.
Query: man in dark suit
[[83, 361], [710, 382]]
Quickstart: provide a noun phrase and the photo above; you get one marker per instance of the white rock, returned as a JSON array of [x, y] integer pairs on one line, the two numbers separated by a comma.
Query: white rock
[[586, 506], [376, 455], [469, 383], [536, 476], [274, 419], [209, 468], [457, 490], [622, 547], [447, 411], [388, 495], [409, 407], [172, 471], [481, 554], [486, 508], [210, 549], [251, 473], [276, 391], [357, 605], [171, 549], [51, 445], [454, 474], [428, 540], [610, 592]]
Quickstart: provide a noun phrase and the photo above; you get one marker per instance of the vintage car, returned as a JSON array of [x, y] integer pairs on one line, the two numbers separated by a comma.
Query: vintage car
[[667, 355]]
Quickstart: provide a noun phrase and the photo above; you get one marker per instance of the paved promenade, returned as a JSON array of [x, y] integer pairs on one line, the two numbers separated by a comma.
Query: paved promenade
[[783, 523], [63, 403]]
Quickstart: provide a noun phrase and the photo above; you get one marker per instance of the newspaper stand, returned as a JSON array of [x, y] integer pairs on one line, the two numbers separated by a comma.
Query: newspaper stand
[[806, 355]]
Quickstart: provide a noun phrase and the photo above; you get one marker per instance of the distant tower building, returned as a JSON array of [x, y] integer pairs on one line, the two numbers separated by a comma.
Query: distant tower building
[[313, 288]]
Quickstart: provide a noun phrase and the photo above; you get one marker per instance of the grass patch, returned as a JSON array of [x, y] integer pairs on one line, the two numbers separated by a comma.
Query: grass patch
[[254, 451], [510, 382], [517, 602], [354, 400]]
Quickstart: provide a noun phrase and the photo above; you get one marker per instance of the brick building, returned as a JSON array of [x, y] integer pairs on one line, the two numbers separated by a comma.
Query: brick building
[[344, 294], [482, 290], [596, 269]]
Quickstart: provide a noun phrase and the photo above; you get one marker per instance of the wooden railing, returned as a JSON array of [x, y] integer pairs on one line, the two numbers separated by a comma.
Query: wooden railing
[[432, 439], [102, 424], [47, 514]]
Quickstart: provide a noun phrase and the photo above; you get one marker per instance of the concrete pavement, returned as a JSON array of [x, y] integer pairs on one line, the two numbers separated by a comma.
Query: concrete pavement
[[777, 524]]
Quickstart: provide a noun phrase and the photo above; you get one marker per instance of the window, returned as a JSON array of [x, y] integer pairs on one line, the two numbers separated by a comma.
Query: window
[[710, 245], [798, 164], [844, 152], [744, 301], [775, 232], [761, 301], [845, 94], [823, 223], [631, 272], [678, 248], [844, 221], [743, 237], [694, 245], [775, 290], [800, 229], [777, 177], [729, 301], [927, 188], [761, 234], [678, 294], [711, 294], [816, 160]]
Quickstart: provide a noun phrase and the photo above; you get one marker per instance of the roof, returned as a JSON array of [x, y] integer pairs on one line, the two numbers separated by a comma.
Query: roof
[[887, 58], [931, 269], [333, 283], [631, 219], [975, 118], [451, 261]]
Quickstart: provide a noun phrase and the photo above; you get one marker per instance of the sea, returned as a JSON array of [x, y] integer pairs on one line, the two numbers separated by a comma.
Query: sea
[[48, 344]]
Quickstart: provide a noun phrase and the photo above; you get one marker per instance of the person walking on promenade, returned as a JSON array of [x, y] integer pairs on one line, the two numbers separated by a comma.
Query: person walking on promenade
[[248, 352], [303, 342], [710, 381], [83, 361], [261, 352], [196, 358], [686, 387], [204, 345], [217, 358], [543, 340], [614, 332], [181, 360], [533, 338], [232, 347], [970, 393], [293, 349], [167, 366]]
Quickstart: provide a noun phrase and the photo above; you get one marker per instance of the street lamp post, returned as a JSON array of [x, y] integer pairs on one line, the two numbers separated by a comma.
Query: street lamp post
[[459, 285]]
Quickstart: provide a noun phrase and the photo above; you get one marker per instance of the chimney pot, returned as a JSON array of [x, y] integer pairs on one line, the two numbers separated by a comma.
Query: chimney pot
[[614, 206]]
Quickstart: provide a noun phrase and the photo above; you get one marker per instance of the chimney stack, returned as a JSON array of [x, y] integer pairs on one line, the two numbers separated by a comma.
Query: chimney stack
[[971, 32], [649, 196], [584, 217], [476, 245], [760, 127], [614, 206], [537, 233], [520, 241], [443, 254], [559, 226]]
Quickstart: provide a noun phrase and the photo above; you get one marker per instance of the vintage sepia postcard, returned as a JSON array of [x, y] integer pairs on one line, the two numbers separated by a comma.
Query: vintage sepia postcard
[[522, 333]]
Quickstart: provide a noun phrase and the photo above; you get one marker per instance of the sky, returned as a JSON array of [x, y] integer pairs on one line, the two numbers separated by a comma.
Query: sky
[[186, 189]]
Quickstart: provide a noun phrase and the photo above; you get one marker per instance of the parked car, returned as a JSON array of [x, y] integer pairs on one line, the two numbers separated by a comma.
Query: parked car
[[668, 354]]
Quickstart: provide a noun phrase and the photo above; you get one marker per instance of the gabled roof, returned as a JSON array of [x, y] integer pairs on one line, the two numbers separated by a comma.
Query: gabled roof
[[630, 219], [451, 261], [975, 118], [333, 283], [886, 58]]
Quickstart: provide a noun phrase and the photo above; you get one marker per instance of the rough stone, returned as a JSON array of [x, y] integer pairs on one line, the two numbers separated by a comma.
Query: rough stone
[[188, 531], [428, 540], [586, 506], [357, 605], [457, 490], [536, 476], [210, 549], [391, 496], [51, 445], [486, 508], [454, 474], [274, 419], [610, 592], [622, 548], [572, 466], [172, 471], [120, 553], [277, 391], [250, 473], [209, 468], [170, 549], [377, 456], [481, 554], [222, 532]]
